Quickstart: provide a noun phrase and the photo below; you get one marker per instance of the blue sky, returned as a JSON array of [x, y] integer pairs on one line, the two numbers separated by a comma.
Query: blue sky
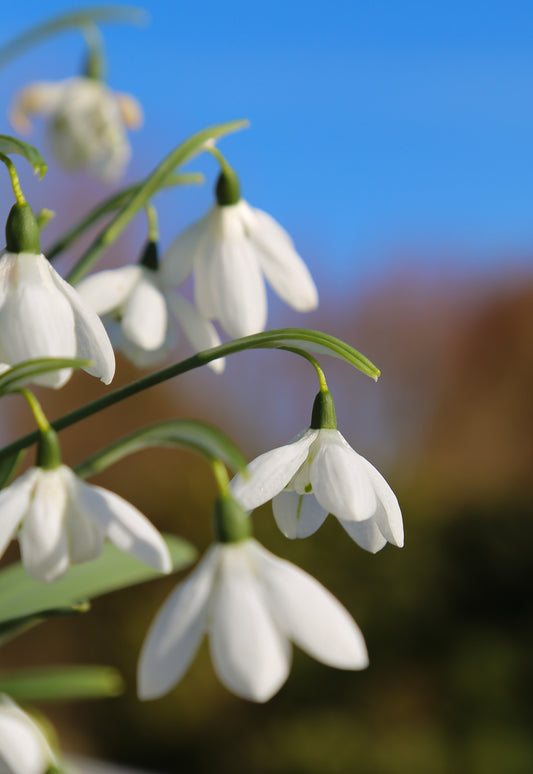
[[378, 129]]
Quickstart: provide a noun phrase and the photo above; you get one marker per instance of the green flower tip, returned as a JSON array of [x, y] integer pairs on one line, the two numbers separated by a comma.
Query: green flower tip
[[227, 189], [22, 230], [150, 256], [231, 524], [48, 451], [323, 416]]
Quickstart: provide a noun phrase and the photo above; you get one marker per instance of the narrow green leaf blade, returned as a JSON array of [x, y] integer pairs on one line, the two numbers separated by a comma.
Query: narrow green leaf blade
[[21, 596], [62, 683], [22, 373], [9, 145], [8, 466], [179, 433]]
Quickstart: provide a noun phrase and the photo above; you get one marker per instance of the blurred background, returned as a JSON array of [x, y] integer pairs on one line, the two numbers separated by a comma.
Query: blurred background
[[393, 141]]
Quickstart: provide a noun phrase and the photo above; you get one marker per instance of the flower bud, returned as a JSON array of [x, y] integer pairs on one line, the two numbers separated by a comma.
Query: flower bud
[[323, 416], [230, 522], [22, 231]]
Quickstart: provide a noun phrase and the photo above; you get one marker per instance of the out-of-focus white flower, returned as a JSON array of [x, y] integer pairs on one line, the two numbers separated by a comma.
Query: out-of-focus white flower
[[316, 474], [87, 123], [232, 250], [41, 315], [252, 605], [140, 309], [60, 520], [23, 746]]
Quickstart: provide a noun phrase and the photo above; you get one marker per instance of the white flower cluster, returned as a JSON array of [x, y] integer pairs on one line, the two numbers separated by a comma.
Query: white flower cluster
[[251, 604]]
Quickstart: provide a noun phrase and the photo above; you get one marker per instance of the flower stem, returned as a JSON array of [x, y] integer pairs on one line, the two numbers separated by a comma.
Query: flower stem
[[153, 222], [15, 183], [38, 414], [319, 372], [221, 475]]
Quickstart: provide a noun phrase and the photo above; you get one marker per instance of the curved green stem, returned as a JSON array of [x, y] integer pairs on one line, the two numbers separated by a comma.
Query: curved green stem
[[123, 14], [38, 414], [221, 475], [114, 202], [153, 222], [15, 182], [159, 177], [314, 362], [283, 338], [224, 164]]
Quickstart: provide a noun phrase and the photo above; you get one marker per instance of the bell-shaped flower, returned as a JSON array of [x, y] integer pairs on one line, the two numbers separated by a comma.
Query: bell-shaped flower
[[23, 746], [41, 315], [60, 520], [86, 123], [252, 605], [138, 311], [316, 474], [232, 250]]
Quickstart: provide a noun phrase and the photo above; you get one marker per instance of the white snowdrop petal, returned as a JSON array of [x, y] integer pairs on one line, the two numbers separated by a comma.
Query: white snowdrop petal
[[36, 320], [23, 746], [177, 262], [37, 98], [176, 633], [108, 290], [269, 473], [200, 333], [281, 264], [340, 479], [43, 539], [365, 533], [145, 317], [123, 525], [388, 515], [309, 614], [297, 516], [14, 503], [92, 340], [250, 655]]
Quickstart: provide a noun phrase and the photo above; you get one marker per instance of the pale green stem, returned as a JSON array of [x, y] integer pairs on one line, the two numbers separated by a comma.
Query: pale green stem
[[221, 475], [153, 222], [40, 418], [224, 165], [319, 372], [15, 182]]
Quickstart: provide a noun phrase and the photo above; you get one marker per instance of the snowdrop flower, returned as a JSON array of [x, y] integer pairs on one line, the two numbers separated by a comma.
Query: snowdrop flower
[[319, 473], [232, 250], [41, 315], [139, 309], [60, 520], [252, 605], [23, 746], [87, 122]]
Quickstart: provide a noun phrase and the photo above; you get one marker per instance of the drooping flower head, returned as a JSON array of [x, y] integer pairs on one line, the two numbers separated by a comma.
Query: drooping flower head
[[252, 605], [23, 746], [319, 473], [41, 315], [232, 250], [139, 306], [86, 123], [60, 520]]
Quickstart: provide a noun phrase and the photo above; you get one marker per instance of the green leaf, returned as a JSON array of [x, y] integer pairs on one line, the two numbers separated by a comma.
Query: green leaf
[[21, 596], [23, 373], [158, 179], [114, 202], [8, 466], [123, 14], [9, 145], [178, 433], [62, 683], [17, 626]]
